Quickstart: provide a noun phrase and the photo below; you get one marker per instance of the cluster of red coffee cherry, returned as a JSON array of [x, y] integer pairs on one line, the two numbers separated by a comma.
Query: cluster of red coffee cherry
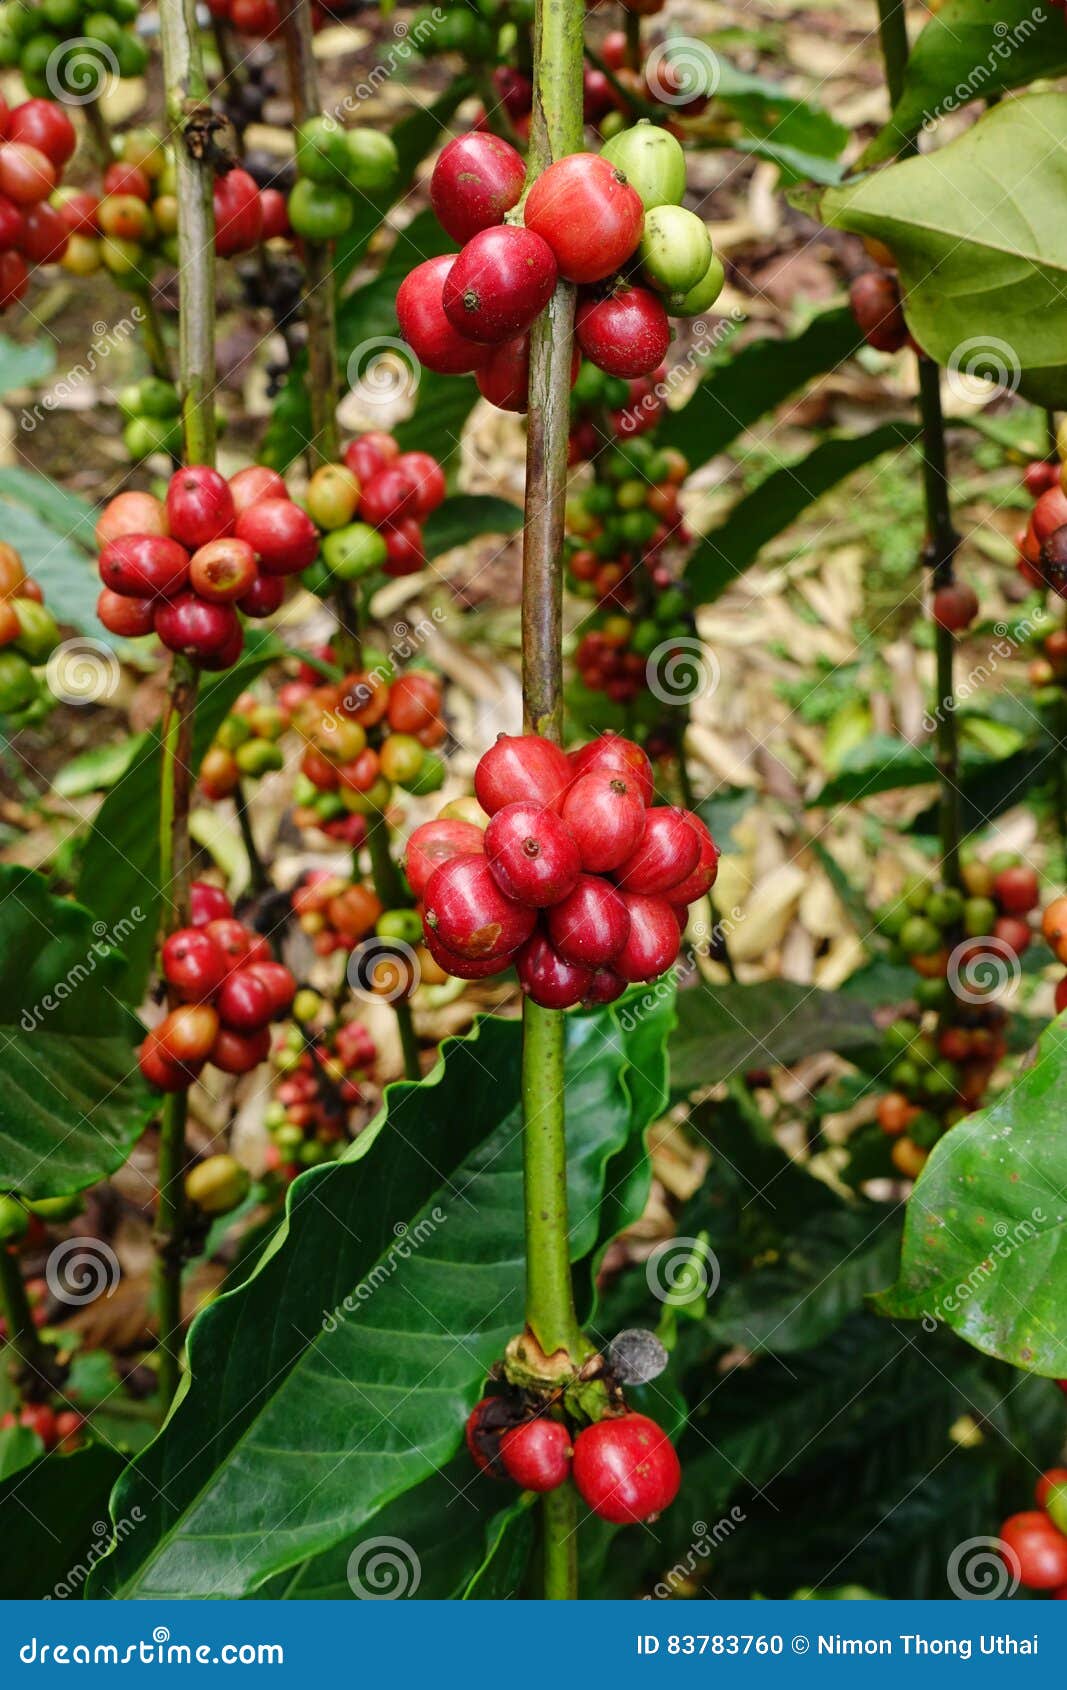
[[1043, 542], [624, 1468], [366, 734], [37, 139], [183, 568], [56, 1431], [390, 492], [586, 218], [229, 989], [576, 880], [321, 1078], [939, 1074], [1034, 1543], [335, 912]]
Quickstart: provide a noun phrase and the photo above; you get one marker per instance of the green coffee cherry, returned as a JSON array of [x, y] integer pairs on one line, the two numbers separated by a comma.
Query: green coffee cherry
[[217, 1184], [652, 162], [405, 925], [919, 937], [352, 552]]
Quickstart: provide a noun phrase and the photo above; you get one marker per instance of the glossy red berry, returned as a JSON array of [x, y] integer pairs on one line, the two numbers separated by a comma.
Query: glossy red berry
[[433, 843], [1014, 932], [876, 306], [194, 964], [532, 854], [207, 903], [45, 125], [501, 281], [666, 853], [424, 471], [370, 453], [955, 607], [256, 482], [280, 984], [590, 925], [263, 597], [504, 378], [424, 325], [283, 537], [626, 334], [1049, 513], [388, 496], [588, 213], [653, 941], [604, 987], [1040, 475], [405, 550], [464, 968], [239, 1053], [194, 626], [606, 815], [521, 767], [244, 1001], [223, 569], [476, 181], [44, 235], [549, 979], [160, 1070], [471, 915], [702, 877], [199, 506], [231, 936], [612, 751], [1036, 1551], [186, 1035], [144, 566], [627, 1470], [1017, 890], [129, 618], [537, 1454]]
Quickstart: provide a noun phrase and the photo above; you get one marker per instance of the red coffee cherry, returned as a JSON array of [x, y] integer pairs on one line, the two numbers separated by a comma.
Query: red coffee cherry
[[424, 325], [186, 1035], [589, 926], [464, 968], [433, 843], [280, 984], [45, 125], [223, 570], [244, 1001], [129, 618], [469, 913], [144, 566], [199, 506], [666, 853], [626, 334], [876, 306], [256, 482], [1049, 513], [606, 815], [424, 471], [501, 281], [548, 978], [1017, 890], [532, 854], [588, 213], [653, 941], [627, 1471], [612, 751], [388, 496], [283, 537], [194, 964], [518, 768], [955, 607], [537, 1454], [1035, 1549], [702, 878], [475, 183], [196, 627]]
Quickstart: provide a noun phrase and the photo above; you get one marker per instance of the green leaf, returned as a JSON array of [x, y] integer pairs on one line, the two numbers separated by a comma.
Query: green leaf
[[18, 1447], [443, 405], [799, 136], [23, 364], [98, 768], [977, 250], [350, 1408], [120, 866], [724, 1030], [984, 1245], [73, 1102], [883, 763], [971, 51], [741, 386], [724, 554], [465, 515], [57, 1523]]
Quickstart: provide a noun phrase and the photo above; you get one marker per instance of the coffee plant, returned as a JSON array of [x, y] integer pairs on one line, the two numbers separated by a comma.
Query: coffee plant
[[533, 806]]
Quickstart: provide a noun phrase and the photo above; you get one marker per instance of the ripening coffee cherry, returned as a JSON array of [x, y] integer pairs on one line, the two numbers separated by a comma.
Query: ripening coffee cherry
[[588, 213], [280, 984], [433, 843], [876, 306], [1017, 889], [244, 1001], [1049, 514], [130, 513], [282, 536], [193, 963], [626, 334], [468, 912], [239, 1053], [537, 1454], [666, 853], [424, 325], [160, 1069], [518, 768], [626, 1470], [500, 282], [463, 968], [129, 618], [186, 1035], [223, 569], [199, 506], [590, 925], [548, 978], [256, 482], [475, 183], [217, 1184], [1035, 1549], [532, 854], [606, 815], [653, 941], [955, 607], [612, 751], [144, 566]]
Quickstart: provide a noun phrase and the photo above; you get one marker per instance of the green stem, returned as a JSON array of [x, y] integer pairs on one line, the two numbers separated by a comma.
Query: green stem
[[388, 885], [30, 1354], [561, 1544], [556, 130], [192, 121], [101, 134], [633, 39]]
